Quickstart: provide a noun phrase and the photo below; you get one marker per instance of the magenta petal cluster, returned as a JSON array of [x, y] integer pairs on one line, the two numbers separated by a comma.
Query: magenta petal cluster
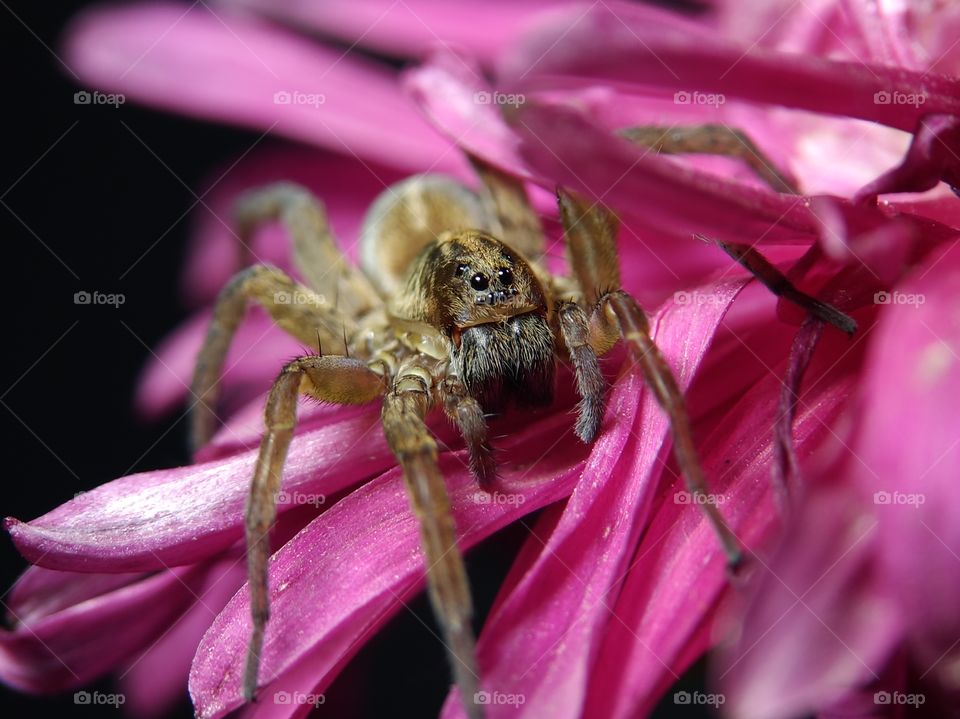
[[831, 458]]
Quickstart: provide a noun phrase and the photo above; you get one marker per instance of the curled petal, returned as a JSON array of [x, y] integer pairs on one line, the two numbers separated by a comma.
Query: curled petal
[[932, 157]]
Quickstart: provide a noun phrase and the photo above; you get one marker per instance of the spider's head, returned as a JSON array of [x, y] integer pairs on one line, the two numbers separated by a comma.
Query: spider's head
[[468, 278], [486, 300]]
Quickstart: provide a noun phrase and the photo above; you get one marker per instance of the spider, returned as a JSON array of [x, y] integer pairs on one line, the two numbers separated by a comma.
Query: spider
[[452, 307]]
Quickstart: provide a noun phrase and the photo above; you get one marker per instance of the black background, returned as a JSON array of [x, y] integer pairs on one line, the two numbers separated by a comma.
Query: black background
[[83, 199]]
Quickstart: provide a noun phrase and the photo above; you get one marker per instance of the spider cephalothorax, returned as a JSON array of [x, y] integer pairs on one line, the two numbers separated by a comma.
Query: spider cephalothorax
[[452, 307], [493, 312]]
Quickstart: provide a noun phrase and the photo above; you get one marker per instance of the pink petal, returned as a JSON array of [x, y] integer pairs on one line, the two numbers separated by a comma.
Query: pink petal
[[873, 550], [911, 379], [820, 622], [672, 591], [407, 28], [176, 516], [917, 37], [570, 588], [453, 93], [565, 146], [157, 678], [227, 67], [932, 157], [862, 30], [39, 592], [627, 48], [81, 642], [346, 572]]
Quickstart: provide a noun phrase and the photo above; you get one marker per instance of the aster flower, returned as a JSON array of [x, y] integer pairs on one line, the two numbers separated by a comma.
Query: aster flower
[[614, 593]]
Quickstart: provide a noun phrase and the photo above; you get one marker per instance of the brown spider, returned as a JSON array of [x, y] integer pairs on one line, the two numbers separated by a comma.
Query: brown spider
[[452, 307]]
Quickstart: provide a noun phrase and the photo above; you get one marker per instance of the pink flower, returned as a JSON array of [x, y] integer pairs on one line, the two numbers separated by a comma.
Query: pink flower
[[614, 594]]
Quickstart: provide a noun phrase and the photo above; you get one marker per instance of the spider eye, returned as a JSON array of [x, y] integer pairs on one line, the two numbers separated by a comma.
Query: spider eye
[[461, 270], [505, 276], [479, 282]]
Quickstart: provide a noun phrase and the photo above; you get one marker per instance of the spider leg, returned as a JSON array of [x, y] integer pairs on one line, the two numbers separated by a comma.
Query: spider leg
[[334, 379], [468, 415], [506, 201], [404, 408], [590, 234], [658, 376], [712, 139], [315, 253], [295, 308], [778, 283], [575, 330], [724, 140]]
